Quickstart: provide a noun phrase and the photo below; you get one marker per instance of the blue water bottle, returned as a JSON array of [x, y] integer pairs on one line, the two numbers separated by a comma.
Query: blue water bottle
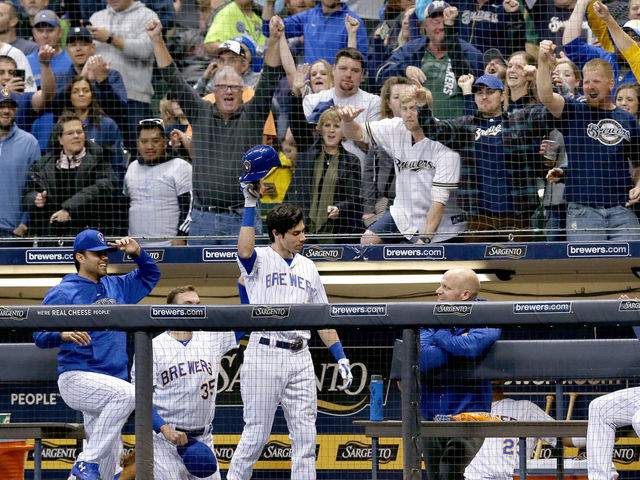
[[375, 407]]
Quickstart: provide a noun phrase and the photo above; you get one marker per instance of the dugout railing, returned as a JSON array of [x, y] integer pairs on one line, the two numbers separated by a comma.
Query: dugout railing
[[500, 363]]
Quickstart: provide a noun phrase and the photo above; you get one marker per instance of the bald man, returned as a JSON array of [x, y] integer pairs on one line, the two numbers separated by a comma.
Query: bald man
[[450, 394]]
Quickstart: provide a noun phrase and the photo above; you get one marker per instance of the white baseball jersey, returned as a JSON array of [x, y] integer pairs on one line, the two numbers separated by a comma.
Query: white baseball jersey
[[272, 281], [185, 377], [361, 99], [154, 191], [606, 413], [419, 167], [498, 457]]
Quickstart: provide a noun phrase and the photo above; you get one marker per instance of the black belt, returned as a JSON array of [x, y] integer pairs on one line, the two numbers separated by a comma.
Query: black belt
[[216, 209], [194, 433], [294, 347]]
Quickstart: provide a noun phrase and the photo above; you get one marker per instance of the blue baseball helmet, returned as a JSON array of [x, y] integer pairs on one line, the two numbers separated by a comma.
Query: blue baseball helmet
[[199, 460], [258, 161]]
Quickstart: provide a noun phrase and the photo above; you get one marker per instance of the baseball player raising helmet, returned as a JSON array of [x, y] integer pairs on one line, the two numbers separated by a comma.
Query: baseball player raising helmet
[[277, 365]]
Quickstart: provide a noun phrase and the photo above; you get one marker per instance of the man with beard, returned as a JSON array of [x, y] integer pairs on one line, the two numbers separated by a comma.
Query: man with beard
[[9, 19], [159, 188], [19, 151], [602, 141], [348, 70]]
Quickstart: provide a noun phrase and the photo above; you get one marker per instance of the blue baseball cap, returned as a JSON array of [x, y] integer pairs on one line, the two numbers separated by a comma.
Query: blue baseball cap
[[437, 6], [489, 81], [91, 240], [256, 61], [7, 95], [198, 459], [79, 32]]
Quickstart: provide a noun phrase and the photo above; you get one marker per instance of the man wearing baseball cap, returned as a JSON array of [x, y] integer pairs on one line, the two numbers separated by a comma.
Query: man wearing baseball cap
[[427, 61], [19, 151], [92, 365], [500, 163], [47, 31], [495, 64]]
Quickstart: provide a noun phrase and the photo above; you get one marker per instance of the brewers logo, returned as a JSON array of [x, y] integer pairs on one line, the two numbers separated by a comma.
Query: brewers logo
[[608, 132]]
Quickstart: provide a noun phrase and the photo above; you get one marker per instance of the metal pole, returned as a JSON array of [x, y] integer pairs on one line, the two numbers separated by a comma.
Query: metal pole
[[523, 458], [410, 406], [144, 405], [560, 416], [37, 459]]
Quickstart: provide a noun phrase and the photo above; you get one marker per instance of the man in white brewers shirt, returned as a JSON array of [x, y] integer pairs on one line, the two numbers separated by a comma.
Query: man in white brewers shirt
[[427, 174]]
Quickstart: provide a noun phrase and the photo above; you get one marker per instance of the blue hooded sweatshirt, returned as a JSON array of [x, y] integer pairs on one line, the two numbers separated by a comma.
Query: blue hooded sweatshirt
[[106, 353]]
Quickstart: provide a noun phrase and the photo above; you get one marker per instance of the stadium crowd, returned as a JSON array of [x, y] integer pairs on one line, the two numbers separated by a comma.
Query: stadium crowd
[[395, 121]]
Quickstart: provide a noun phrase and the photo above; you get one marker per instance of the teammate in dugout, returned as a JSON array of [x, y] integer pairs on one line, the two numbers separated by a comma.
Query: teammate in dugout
[[277, 365], [92, 366], [446, 458], [185, 374]]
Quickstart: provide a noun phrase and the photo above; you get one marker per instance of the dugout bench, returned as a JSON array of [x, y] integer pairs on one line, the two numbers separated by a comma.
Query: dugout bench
[[554, 360], [24, 362]]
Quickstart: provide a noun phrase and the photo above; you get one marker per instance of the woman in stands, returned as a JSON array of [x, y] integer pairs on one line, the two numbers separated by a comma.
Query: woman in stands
[[521, 77], [70, 188], [326, 181], [320, 76], [627, 96], [100, 129]]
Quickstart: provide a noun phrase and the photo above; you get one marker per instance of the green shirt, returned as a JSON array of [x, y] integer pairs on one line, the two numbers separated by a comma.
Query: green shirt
[[448, 101], [231, 22]]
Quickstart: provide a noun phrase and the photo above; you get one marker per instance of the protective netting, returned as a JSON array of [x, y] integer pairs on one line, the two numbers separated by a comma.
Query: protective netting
[[116, 124]]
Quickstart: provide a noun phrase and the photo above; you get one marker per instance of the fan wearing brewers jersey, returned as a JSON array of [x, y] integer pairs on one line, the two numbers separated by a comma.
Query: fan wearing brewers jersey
[[427, 175]]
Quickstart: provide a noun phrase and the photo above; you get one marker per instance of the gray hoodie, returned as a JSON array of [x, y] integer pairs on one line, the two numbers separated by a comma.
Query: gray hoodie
[[135, 62]]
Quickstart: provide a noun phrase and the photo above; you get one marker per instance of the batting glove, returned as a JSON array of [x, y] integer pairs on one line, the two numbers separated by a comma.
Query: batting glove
[[344, 367], [251, 192]]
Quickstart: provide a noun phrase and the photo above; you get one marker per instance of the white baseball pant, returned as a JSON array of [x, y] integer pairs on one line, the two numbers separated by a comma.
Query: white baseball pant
[[105, 402], [606, 413], [272, 375]]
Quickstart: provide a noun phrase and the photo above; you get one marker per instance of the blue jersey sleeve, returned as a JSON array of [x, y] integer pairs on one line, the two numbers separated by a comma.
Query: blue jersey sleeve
[[248, 263], [470, 344], [47, 339], [139, 283]]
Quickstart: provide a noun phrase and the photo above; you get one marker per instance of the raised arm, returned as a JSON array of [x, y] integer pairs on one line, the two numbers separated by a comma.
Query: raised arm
[[573, 29], [47, 80], [621, 39], [160, 50], [553, 101], [351, 129], [352, 25]]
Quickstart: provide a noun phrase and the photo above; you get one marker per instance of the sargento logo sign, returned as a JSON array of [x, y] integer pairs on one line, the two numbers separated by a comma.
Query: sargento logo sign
[[321, 253], [629, 306], [358, 451], [277, 450], [626, 454], [14, 313], [453, 309], [267, 311], [509, 251], [157, 255], [179, 311], [224, 452]]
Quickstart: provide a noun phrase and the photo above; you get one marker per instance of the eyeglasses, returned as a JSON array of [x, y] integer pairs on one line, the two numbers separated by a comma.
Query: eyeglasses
[[151, 122], [233, 88]]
